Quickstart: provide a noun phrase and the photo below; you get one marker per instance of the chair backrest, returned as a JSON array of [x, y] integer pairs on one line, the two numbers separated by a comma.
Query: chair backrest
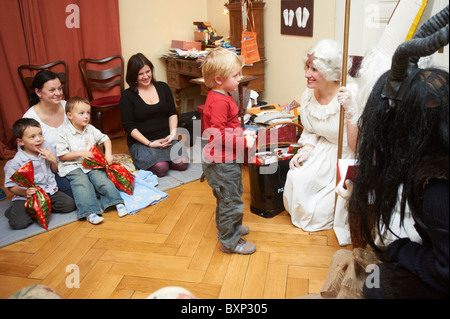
[[28, 72], [96, 78]]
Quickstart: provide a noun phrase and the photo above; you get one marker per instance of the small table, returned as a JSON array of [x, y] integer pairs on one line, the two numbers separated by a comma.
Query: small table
[[244, 81]]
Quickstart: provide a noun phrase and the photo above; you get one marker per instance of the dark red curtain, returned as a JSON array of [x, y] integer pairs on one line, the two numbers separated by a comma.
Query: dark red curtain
[[42, 31]]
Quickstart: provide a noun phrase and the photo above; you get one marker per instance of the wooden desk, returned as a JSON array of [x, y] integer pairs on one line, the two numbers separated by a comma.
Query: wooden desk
[[244, 81], [180, 72]]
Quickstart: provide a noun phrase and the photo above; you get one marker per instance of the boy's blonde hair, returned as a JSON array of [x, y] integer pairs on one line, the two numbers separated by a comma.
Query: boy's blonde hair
[[74, 101], [219, 62]]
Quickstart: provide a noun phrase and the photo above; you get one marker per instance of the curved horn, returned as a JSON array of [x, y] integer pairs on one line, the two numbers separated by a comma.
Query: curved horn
[[402, 55], [420, 47], [416, 48], [434, 24]]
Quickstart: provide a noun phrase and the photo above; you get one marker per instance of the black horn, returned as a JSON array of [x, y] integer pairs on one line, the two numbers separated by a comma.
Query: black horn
[[433, 25], [432, 36]]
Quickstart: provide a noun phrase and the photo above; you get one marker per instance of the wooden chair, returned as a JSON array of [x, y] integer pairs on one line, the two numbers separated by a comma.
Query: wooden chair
[[28, 72], [102, 75]]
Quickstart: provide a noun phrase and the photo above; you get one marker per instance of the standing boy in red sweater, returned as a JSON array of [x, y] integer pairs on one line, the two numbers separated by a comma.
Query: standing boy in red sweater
[[222, 156]]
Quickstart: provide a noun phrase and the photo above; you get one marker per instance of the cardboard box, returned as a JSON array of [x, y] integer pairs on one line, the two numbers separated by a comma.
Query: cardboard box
[[201, 36], [202, 25], [186, 45]]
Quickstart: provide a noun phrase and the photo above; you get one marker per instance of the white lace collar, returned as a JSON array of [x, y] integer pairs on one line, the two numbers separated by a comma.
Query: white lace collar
[[321, 112]]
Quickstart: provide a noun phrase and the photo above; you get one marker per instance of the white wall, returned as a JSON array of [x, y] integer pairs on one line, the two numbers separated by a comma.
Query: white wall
[[148, 26], [285, 54], [369, 18]]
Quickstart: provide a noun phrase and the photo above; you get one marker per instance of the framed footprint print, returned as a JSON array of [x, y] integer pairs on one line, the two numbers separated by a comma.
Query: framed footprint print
[[297, 17]]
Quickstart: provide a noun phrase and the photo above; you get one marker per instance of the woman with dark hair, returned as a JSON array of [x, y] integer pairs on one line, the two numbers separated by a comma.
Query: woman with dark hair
[[48, 108], [150, 118]]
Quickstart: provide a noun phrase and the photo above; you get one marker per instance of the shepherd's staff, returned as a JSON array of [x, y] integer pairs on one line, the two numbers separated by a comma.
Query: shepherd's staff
[[343, 83]]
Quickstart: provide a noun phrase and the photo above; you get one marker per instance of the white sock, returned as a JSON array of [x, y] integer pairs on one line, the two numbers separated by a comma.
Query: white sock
[[291, 17], [121, 210], [298, 15], [94, 219], [305, 17], [286, 17]]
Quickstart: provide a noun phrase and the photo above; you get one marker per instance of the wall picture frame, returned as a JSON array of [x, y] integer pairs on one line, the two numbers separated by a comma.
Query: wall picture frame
[[297, 17]]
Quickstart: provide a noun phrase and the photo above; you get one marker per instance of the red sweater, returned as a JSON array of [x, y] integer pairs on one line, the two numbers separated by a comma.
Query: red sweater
[[221, 127]]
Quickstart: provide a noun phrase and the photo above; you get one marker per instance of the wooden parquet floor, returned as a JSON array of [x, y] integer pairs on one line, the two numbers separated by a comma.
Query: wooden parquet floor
[[172, 243]]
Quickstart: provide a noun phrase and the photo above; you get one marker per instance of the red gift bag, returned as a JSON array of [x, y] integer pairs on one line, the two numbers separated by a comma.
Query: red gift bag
[[117, 173], [39, 205]]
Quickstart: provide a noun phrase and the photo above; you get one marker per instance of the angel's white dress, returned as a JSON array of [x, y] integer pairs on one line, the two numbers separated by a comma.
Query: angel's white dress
[[309, 193]]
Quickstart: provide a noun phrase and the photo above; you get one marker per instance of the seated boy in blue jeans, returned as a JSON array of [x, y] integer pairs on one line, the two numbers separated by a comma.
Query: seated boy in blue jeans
[[222, 156], [76, 139], [28, 134]]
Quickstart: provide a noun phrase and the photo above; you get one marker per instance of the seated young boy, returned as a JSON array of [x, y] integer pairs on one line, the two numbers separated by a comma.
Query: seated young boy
[[28, 134], [76, 139]]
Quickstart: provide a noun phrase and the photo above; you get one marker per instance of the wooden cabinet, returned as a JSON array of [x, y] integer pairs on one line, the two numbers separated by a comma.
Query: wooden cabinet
[[256, 19], [256, 69], [181, 71]]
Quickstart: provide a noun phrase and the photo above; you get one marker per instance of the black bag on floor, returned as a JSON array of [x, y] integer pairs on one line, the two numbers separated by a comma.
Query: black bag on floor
[[267, 187], [187, 121]]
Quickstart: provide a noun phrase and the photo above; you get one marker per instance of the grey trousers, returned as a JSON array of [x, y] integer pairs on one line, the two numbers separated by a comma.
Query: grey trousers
[[225, 181], [19, 218]]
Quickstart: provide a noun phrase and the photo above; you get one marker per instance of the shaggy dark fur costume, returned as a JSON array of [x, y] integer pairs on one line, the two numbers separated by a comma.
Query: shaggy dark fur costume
[[397, 282]]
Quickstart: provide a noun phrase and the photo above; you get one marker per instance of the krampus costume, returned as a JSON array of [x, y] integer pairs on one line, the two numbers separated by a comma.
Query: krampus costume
[[403, 147], [403, 143]]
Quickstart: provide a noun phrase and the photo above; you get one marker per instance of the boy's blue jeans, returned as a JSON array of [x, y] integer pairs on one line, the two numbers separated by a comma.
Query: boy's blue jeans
[[226, 183], [86, 187]]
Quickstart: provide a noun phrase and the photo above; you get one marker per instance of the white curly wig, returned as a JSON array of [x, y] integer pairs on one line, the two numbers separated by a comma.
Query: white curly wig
[[328, 59]]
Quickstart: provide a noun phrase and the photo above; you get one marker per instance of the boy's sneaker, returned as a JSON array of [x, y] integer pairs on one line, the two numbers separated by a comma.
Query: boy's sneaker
[[121, 210], [94, 219], [242, 248], [244, 231]]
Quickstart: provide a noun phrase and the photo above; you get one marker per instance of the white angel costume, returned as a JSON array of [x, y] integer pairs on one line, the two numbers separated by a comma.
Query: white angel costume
[[309, 192]]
